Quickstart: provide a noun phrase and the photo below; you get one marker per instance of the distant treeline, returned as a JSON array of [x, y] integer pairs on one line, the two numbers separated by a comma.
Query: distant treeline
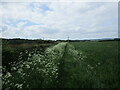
[[37, 41], [23, 41], [99, 40]]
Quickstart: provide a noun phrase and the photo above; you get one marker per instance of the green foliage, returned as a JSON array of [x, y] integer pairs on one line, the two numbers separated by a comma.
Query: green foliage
[[11, 52], [8, 55], [66, 65], [38, 71], [102, 64]]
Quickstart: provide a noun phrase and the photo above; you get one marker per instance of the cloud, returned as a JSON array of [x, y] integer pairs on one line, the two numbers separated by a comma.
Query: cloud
[[57, 20]]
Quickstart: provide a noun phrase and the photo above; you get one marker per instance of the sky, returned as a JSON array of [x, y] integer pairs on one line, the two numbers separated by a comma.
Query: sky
[[58, 20]]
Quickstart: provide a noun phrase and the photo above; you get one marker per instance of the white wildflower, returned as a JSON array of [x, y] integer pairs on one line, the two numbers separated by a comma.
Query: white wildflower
[[19, 86], [8, 75], [13, 68], [28, 66], [98, 63]]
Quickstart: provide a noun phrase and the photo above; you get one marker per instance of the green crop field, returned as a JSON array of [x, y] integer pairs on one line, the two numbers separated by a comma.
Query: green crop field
[[66, 65], [101, 62]]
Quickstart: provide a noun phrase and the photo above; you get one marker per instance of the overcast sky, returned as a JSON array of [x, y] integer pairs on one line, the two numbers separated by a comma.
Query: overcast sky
[[58, 20]]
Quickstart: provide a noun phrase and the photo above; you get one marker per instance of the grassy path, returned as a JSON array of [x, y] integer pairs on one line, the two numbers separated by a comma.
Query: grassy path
[[61, 68], [67, 69], [66, 66]]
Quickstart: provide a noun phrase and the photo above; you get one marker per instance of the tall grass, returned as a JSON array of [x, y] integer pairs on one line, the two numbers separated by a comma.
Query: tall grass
[[102, 63], [38, 71], [66, 65]]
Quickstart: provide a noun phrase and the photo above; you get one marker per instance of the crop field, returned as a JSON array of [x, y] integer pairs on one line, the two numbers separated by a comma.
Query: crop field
[[89, 64], [101, 63]]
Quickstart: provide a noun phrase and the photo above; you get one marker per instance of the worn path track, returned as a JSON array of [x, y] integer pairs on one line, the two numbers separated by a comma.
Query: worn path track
[[68, 63]]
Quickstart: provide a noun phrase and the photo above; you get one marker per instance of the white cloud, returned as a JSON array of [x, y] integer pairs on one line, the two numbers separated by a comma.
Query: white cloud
[[78, 20], [59, 0]]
